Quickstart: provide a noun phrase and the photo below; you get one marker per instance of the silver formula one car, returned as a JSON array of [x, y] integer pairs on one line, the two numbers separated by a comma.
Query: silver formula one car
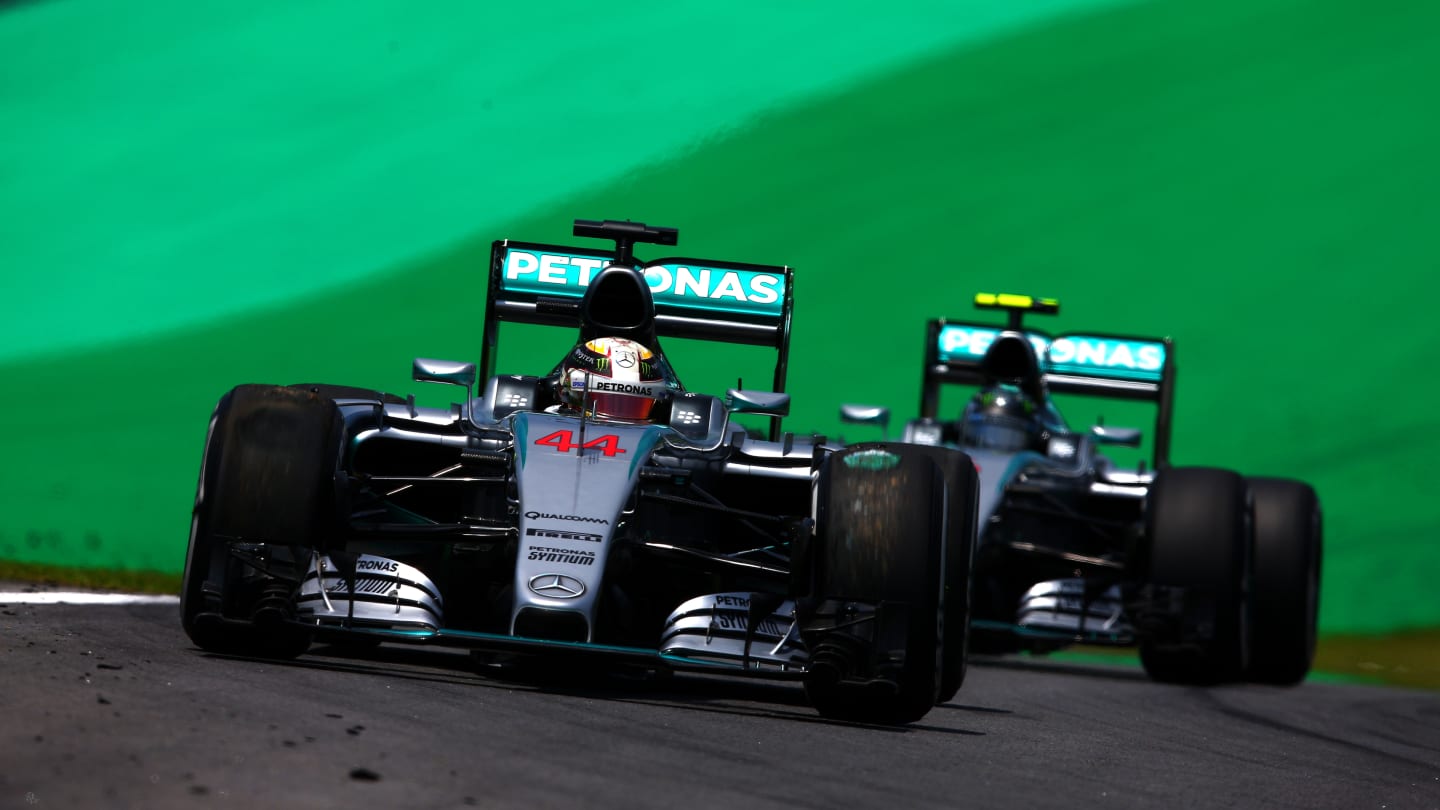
[[599, 510], [1213, 575]]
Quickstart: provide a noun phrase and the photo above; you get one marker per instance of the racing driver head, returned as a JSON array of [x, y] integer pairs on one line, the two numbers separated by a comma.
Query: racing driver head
[[1001, 418], [612, 378]]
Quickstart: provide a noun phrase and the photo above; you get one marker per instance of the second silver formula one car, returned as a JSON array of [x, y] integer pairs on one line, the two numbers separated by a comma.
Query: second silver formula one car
[[1214, 575], [597, 508]]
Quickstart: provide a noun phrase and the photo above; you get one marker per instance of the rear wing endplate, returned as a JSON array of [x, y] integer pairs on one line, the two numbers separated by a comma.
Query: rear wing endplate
[[1087, 363]]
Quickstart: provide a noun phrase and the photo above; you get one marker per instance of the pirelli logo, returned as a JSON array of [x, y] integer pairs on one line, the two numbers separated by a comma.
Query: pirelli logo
[[553, 534]]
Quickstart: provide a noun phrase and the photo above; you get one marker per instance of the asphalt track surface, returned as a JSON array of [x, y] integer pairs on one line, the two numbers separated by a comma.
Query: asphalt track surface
[[110, 706]]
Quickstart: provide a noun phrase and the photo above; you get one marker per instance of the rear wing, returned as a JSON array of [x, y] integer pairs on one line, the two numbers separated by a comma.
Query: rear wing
[[1087, 363], [705, 299]]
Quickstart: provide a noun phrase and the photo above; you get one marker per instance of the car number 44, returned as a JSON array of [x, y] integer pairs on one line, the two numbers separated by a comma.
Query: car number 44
[[564, 441]]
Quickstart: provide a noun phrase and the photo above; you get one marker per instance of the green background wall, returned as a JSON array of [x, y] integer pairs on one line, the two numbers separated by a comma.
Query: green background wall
[[287, 192]]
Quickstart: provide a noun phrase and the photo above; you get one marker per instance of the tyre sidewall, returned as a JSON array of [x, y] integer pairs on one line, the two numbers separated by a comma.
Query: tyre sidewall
[[1198, 540], [1286, 579]]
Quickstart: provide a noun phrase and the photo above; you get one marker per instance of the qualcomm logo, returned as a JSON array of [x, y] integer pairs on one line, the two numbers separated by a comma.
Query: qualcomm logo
[[574, 518], [556, 586]]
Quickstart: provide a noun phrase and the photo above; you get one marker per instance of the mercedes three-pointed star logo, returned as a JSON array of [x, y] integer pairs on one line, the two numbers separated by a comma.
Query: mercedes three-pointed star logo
[[557, 586]]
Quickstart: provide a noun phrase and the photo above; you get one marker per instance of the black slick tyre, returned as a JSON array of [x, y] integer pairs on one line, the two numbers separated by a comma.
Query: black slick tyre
[[880, 544], [1285, 595], [962, 484], [267, 480], [1198, 543]]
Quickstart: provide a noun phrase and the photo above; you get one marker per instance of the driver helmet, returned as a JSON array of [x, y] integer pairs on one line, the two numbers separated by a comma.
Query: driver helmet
[[612, 378], [1000, 418]]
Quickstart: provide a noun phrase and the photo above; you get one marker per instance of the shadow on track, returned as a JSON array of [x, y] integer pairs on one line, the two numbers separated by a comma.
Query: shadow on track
[[697, 692], [1114, 672]]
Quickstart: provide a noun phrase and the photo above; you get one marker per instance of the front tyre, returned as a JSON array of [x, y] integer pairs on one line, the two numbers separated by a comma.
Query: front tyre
[[1198, 545], [1285, 596], [267, 487], [962, 485], [881, 585]]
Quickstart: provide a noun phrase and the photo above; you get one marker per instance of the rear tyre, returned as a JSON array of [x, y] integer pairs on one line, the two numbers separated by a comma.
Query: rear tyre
[[267, 481], [881, 544], [1198, 541], [1285, 595]]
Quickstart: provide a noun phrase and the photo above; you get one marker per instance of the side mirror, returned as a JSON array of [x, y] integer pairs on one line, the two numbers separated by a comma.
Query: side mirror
[[450, 373], [1122, 437], [445, 371], [765, 403], [867, 415]]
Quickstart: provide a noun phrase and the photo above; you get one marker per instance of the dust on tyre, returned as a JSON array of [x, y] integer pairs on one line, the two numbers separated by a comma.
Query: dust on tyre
[[880, 541]]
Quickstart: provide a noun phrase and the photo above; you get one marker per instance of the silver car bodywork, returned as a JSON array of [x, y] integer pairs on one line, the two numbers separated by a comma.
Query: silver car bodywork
[[570, 507], [1058, 518], [527, 521], [512, 522]]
